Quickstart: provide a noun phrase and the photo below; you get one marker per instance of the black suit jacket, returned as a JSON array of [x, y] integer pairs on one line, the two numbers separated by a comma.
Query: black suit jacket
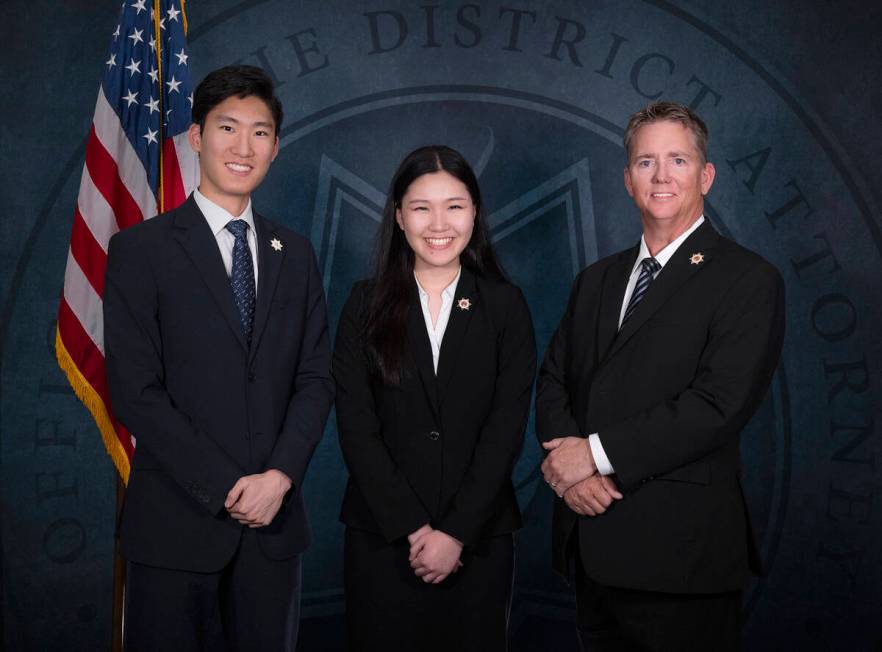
[[437, 450], [668, 395], [205, 408]]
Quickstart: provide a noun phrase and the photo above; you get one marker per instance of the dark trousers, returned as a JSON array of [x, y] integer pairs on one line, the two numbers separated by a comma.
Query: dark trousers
[[389, 608], [251, 604], [613, 619]]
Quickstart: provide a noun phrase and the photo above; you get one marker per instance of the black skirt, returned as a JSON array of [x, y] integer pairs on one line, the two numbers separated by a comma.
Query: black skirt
[[388, 608]]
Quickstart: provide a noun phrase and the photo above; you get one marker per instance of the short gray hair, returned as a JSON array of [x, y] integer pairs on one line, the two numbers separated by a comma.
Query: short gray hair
[[668, 111]]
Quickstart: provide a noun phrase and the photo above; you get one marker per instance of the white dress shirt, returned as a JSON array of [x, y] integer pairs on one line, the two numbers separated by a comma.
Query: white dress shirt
[[436, 332], [604, 467], [217, 219]]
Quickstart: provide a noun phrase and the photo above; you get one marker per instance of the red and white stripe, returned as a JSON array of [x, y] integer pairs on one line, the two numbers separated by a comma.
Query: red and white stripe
[[114, 194]]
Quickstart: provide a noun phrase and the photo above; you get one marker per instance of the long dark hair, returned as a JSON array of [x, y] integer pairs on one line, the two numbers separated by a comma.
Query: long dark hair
[[393, 284]]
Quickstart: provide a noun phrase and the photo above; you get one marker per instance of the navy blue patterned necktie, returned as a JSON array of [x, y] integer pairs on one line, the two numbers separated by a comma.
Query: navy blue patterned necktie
[[242, 276], [650, 267]]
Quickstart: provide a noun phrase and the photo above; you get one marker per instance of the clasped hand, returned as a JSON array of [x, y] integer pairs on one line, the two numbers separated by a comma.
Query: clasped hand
[[592, 496], [568, 462], [256, 499], [571, 472], [433, 554]]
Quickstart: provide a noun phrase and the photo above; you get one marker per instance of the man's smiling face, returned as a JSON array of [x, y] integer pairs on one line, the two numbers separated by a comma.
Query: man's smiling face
[[236, 146], [666, 176]]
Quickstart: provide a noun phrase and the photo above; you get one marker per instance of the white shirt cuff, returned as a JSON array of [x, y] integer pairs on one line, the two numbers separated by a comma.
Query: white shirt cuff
[[600, 458]]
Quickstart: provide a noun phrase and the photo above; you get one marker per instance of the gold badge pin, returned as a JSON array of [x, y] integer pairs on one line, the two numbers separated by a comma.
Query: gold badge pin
[[463, 304], [697, 259]]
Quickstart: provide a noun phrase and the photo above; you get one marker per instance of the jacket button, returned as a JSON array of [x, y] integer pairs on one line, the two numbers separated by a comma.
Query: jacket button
[[252, 376], [434, 435]]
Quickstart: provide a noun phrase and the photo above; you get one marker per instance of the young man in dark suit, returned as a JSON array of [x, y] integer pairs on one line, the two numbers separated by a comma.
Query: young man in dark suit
[[664, 353], [219, 364]]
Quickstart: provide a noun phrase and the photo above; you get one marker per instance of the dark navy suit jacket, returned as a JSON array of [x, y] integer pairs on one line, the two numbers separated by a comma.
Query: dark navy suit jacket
[[203, 406]]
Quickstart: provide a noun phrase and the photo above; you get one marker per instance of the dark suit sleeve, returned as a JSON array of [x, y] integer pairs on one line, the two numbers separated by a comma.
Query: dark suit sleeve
[[734, 371], [135, 374], [310, 404], [502, 434], [554, 410], [392, 501]]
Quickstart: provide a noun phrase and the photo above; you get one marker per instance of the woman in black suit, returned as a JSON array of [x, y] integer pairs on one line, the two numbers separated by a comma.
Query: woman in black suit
[[434, 363]]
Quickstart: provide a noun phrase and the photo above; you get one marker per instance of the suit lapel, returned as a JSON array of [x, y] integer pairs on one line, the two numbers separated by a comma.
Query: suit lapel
[[269, 265], [614, 285], [421, 348], [674, 274], [195, 236], [457, 327]]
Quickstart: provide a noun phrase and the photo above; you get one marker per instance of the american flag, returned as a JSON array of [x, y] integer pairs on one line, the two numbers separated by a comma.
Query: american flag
[[138, 163]]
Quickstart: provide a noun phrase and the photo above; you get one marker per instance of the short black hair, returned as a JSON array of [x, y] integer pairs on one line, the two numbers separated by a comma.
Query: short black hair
[[234, 81]]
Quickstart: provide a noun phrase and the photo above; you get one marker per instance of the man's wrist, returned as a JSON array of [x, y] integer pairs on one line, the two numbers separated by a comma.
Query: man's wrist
[[453, 538], [284, 481], [598, 454]]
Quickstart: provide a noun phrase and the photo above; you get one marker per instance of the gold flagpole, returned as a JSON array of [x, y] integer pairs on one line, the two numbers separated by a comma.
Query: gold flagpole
[[119, 577]]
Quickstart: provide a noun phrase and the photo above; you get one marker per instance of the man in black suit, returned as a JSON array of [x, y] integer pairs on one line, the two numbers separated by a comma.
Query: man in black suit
[[664, 353], [218, 363]]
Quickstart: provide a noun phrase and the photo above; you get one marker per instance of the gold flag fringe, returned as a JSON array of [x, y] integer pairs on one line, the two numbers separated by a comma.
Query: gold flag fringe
[[93, 402]]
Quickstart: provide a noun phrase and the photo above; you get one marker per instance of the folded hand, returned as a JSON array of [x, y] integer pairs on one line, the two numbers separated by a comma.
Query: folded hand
[[434, 556], [592, 496], [256, 499], [569, 462]]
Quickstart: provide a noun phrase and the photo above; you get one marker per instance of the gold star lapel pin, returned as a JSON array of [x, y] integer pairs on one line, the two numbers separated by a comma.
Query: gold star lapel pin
[[276, 244], [697, 259], [463, 304]]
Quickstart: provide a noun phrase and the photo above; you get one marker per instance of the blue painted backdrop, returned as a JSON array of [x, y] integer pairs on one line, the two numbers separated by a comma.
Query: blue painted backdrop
[[536, 95]]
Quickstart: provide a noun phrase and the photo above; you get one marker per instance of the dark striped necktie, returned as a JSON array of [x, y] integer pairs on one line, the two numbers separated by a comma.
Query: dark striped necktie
[[649, 268], [242, 276]]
